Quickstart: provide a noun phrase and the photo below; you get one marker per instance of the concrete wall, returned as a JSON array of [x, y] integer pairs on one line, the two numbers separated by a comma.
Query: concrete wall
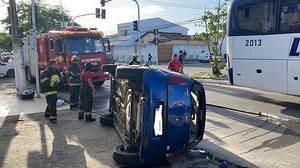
[[192, 50], [124, 53]]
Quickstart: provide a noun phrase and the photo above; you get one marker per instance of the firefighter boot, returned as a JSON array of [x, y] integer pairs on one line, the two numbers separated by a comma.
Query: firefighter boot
[[89, 118], [80, 115]]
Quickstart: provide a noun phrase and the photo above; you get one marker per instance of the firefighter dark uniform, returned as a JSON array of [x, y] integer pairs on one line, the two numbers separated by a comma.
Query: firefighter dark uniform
[[86, 94], [50, 81], [75, 82]]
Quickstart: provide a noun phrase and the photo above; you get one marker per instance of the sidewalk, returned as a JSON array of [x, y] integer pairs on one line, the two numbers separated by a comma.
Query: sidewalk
[[11, 105]]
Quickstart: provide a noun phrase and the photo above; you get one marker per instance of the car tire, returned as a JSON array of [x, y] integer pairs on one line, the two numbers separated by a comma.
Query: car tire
[[132, 73], [10, 73], [126, 158], [29, 78], [106, 121], [109, 68]]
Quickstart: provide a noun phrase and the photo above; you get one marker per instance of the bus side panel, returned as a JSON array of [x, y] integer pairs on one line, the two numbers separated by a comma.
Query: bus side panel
[[261, 47], [294, 77], [267, 75]]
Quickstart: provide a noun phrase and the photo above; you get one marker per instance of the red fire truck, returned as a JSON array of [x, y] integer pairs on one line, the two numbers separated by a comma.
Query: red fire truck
[[88, 44]]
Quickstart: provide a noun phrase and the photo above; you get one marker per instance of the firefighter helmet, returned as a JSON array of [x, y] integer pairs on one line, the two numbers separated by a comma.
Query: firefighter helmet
[[74, 58]]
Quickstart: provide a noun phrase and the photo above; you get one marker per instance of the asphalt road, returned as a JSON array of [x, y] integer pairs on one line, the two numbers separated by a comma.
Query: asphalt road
[[244, 139]]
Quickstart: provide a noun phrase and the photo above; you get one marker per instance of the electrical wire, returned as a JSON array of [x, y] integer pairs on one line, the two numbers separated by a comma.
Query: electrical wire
[[7, 3]]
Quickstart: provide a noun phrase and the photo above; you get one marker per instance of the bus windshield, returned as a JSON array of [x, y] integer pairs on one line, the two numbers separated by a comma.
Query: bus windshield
[[85, 45]]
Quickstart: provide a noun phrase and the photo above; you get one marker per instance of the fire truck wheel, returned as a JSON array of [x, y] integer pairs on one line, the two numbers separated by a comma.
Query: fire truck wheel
[[132, 73], [109, 68], [106, 121], [10, 73], [123, 157]]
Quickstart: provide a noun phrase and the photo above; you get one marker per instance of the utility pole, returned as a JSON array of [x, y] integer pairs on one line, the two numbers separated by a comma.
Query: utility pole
[[34, 45], [139, 27], [17, 48]]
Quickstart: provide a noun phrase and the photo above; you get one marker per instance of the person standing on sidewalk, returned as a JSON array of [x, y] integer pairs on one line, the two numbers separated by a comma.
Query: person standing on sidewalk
[[149, 59], [86, 94], [174, 64], [181, 58], [75, 82], [49, 82]]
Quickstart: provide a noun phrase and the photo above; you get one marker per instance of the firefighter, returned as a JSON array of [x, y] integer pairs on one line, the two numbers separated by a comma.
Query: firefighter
[[50, 81], [134, 60], [75, 82], [86, 94]]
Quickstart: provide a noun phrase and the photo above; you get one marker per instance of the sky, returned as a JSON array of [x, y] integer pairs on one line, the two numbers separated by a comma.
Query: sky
[[122, 11]]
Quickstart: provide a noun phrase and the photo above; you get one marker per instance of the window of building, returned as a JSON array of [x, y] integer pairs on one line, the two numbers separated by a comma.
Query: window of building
[[123, 33], [290, 16], [257, 18]]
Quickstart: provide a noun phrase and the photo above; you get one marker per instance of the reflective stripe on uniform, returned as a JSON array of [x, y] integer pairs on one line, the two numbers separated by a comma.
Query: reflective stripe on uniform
[[52, 117], [87, 113], [75, 84], [50, 93], [44, 80]]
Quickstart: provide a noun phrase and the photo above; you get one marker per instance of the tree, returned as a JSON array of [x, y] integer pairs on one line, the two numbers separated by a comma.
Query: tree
[[49, 17], [5, 42], [214, 24]]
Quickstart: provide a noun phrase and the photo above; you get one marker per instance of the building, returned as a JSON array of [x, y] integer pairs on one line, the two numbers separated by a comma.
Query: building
[[172, 38]]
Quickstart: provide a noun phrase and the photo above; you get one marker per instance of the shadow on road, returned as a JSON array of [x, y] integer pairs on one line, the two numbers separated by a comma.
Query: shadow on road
[[288, 131]]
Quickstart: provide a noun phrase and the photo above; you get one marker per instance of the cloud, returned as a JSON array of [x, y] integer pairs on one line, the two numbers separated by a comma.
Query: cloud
[[151, 9]]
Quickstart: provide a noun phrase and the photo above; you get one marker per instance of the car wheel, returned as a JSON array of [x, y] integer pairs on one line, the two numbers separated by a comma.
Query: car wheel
[[123, 157], [109, 68], [133, 73], [10, 73], [106, 121]]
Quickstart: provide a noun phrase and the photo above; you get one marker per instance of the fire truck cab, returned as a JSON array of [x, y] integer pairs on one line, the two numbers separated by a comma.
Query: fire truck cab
[[88, 44]]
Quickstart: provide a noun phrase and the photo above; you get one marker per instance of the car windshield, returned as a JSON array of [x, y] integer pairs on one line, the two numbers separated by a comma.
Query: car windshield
[[85, 45]]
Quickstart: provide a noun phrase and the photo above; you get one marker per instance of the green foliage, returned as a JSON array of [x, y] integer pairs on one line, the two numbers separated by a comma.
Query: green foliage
[[5, 41], [49, 17], [215, 23]]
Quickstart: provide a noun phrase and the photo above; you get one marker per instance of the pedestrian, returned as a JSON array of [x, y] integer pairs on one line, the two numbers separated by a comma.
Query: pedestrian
[[86, 94], [149, 59], [181, 58], [134, 60], [50, 82], [174, 64], [75, 82]]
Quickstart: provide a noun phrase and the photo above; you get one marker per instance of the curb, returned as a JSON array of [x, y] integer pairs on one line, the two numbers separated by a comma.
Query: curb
[[220, 82]]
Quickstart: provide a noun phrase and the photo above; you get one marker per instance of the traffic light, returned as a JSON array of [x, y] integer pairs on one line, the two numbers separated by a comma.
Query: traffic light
[[103, 14], [102, 2], [135, 25], [98, 13]]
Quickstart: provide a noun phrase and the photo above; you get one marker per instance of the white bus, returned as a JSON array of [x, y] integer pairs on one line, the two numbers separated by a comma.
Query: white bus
[[263, 44]]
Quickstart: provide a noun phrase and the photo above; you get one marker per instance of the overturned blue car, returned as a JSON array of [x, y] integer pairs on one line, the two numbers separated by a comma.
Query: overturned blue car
[[158, 114]]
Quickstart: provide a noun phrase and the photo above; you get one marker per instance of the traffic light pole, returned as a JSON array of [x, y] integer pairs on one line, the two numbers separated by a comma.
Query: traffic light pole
[[139, 27]]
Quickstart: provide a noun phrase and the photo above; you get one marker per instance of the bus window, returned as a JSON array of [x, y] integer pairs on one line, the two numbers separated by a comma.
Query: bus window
[[290, 16], [257, 18]]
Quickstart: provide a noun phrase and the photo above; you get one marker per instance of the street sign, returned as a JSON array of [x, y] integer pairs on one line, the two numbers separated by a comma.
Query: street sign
[[155, 32], [155, 41]]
